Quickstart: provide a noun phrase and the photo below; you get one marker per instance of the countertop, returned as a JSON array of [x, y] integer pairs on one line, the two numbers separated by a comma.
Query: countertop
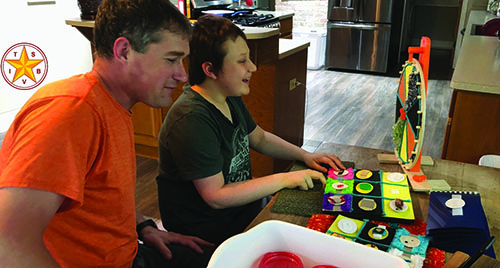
[[288, 47], [478, 64], [250, 32]]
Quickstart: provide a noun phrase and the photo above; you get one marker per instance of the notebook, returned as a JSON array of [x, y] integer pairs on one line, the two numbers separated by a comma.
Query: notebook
[[456, 222]]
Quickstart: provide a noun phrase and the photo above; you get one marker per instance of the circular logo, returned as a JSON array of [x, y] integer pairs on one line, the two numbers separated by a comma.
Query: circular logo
[[24, 66]]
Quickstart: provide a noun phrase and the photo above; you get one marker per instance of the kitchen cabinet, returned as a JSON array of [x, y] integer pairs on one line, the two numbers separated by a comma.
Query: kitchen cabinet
[[474, 124], [286, 27], [273, 105], [473, 128]]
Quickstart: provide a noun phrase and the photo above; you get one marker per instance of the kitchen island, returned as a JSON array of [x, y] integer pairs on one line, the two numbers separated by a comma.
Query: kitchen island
[[276, 100], [473, 125]]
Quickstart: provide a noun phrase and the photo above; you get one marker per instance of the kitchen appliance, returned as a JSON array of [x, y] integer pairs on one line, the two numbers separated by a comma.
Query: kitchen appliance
[[197, 7], [254, 20], [358, 34], [247, 18]]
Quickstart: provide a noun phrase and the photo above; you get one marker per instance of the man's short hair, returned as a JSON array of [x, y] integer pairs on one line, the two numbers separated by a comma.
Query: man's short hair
[[209, 34], [140, 21]]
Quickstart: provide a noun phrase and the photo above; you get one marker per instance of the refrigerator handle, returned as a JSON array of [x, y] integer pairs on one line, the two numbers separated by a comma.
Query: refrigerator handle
[[359, 26]]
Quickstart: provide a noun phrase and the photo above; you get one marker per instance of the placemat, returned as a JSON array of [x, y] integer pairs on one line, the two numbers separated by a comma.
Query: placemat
[[300, 202]]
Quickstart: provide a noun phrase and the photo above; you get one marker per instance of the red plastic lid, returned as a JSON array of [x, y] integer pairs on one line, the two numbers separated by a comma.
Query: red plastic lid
[[280, 259], [325, 266]]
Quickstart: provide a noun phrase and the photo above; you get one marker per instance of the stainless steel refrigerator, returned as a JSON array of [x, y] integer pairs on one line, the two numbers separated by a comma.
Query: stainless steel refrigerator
[[358, 34]]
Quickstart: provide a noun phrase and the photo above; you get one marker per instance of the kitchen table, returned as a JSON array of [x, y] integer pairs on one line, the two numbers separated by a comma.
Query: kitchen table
[[460, 176]]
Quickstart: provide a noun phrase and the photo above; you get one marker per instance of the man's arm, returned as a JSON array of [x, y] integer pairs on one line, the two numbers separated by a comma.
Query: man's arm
[[25, 214]]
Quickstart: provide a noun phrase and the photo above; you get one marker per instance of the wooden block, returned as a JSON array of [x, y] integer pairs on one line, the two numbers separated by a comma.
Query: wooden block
[[422, 186], [393, 159], [426, 161], [388, 159], [417, 186], [456, 260]]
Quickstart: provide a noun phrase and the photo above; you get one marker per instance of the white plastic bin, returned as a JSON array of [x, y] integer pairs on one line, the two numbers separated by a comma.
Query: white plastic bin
[[312, 247], [316, 50]]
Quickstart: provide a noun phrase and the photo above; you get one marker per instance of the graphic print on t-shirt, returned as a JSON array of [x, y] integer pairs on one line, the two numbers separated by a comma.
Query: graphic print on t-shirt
[[239, 170]]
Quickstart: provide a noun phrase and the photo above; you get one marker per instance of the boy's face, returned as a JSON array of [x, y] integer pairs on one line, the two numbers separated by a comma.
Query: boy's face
[[154, 75], [237, 68]]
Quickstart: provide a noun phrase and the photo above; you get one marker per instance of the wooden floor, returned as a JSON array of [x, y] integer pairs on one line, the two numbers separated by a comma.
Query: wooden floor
[[358, 109], [346, 108], [146, 194]]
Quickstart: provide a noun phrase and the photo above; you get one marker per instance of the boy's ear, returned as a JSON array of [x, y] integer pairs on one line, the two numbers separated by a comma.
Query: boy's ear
[[121, 48], [208, 69]]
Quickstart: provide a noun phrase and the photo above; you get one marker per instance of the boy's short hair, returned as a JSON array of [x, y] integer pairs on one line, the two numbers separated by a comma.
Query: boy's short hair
[[140, 21], [209, 34]]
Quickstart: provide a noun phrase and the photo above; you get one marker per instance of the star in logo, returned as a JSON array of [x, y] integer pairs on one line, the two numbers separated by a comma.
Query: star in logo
[[24, 66]]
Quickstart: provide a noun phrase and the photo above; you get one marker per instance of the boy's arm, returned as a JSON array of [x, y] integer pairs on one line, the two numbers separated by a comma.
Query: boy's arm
[[269, 144], [219, 195]]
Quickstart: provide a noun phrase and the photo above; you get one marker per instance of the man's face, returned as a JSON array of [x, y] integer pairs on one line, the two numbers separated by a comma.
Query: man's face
[[154, 75], [237, 68]]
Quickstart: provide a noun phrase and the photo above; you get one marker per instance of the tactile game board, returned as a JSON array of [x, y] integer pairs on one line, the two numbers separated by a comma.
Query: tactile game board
[[393, 239], [368, 194]]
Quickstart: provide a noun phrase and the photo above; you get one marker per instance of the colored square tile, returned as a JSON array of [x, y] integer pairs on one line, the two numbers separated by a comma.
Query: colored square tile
[[394, 178], [391, 212], [367, 188], [336, 186], [332, 174], [337, 203], [395, 191], [367, 175], [377, 234], [346, 227]]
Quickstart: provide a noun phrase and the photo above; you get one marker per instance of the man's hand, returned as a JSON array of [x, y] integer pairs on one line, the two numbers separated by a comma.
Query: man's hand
[[314, 160], [159, 239]]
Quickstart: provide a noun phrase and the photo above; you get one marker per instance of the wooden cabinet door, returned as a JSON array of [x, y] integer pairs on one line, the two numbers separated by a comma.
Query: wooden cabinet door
[[286, 28], [147, 124], [474, 127], [289, 104]]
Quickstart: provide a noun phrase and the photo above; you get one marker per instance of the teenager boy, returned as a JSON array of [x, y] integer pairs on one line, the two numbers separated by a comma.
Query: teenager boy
[[205, 184]]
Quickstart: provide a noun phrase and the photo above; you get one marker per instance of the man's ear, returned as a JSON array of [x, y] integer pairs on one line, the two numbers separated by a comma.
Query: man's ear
[[121, 48], [208, 69]]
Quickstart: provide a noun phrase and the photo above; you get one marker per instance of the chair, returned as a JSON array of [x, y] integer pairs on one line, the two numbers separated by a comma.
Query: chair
[[490, 160]]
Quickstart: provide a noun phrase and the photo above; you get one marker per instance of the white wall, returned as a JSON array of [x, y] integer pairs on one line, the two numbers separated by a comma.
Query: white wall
[[67, 51]]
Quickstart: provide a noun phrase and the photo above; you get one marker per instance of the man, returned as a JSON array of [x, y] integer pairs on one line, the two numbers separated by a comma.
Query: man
[[67, 163]]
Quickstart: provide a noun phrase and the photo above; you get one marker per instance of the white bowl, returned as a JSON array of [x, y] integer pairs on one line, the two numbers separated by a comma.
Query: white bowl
[[312, 247]]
